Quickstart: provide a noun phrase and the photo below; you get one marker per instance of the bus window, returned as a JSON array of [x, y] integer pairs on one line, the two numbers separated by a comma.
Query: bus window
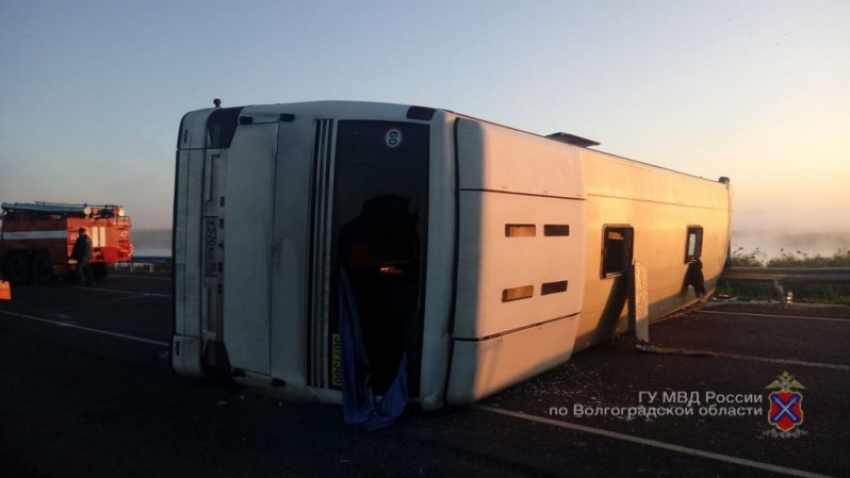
[[616, 250], [556, 230], [520, 230], [693, 250]]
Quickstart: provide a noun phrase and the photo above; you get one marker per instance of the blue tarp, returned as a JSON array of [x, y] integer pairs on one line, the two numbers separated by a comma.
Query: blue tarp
[[359, 406]]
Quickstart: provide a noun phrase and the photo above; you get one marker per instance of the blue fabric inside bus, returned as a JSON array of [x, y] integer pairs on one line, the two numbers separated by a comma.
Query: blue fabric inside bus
[[359, 406]]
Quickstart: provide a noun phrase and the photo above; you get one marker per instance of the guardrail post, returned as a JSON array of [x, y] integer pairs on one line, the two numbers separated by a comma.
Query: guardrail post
[[780, 290]]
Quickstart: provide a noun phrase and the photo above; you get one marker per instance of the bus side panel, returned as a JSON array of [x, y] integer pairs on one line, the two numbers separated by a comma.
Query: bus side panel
[[436, 335], [514, 188], [248, 246], [660, 238], [659, 205], [509, 282], [521, 268], [519, 298], [481, 368], [494, 158]]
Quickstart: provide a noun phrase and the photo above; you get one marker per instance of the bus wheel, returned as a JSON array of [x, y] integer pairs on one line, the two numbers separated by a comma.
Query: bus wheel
[[19, 268], [100, 271], [42, 269]]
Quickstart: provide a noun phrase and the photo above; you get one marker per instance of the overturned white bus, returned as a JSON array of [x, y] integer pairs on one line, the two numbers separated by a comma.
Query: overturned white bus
[[476, 255]]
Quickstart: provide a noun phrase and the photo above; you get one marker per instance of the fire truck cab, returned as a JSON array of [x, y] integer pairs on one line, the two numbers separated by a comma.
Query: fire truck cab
[[36, 239]]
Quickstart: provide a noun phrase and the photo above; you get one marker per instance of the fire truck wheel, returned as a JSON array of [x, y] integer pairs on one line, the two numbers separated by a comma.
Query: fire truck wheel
[[19, 268], [100, 271], [42, 269]]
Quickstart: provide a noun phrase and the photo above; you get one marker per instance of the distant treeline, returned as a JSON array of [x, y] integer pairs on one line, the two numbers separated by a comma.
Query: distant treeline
[[829, 293], [756, 258]]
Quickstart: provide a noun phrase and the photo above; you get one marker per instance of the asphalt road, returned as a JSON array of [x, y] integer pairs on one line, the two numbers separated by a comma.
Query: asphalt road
[[87, 391]]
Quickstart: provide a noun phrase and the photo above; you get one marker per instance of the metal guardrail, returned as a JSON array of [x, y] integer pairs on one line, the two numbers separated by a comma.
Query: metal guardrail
[[143, 263], [151, 260], [780, 275], [797, 274]]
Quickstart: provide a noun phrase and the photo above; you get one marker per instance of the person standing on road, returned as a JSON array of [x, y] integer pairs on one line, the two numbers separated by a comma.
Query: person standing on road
[[83, 254]]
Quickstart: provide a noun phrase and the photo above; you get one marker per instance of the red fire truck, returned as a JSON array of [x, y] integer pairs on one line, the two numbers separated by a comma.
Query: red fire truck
[[36, 239]]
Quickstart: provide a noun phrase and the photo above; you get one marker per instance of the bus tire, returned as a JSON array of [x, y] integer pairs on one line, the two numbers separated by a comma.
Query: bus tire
[[18, 268], [42, 269]]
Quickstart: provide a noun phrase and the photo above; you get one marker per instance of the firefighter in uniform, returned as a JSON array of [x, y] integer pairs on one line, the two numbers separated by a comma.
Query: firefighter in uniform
[[83, 254]]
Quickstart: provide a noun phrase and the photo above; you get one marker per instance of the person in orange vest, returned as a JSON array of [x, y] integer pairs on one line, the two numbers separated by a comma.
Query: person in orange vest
[[83, 254]]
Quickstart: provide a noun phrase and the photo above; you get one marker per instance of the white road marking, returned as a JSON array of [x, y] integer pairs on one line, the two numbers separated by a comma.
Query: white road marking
[[827, 319], [803, 363], [87, 329], [139, 277], [116, 291], [129, 297], [654, 443], [710, 353]]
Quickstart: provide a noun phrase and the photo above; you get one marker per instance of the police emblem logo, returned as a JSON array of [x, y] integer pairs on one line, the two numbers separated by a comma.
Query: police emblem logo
[[786, 404]]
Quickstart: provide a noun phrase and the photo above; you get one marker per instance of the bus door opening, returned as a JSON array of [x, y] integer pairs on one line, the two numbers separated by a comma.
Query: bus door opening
[[379, 229]]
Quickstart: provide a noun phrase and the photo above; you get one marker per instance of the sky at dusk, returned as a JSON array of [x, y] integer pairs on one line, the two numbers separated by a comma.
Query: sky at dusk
[[91, 93]]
